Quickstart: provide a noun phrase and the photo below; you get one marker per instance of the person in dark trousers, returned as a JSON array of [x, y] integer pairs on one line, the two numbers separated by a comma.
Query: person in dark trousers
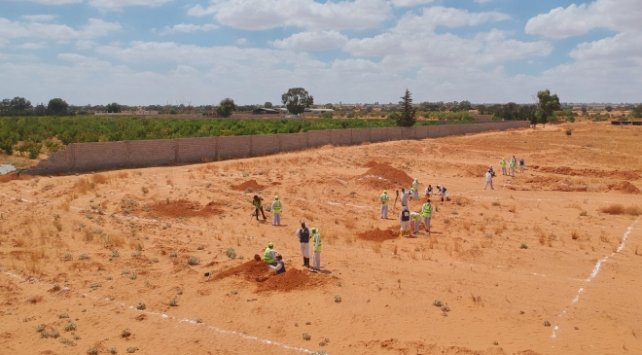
[[258, 206], [304, 238]]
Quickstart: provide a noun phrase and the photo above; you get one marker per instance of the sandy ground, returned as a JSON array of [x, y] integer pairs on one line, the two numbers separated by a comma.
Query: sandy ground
[[547, 263]]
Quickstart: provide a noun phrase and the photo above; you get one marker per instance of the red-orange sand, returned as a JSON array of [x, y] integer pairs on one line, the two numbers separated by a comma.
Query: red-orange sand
[[549, 262]]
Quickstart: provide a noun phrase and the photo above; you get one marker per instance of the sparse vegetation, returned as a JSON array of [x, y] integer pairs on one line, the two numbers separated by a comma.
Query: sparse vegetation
[[192, 260], [231, 253], [617, 209]]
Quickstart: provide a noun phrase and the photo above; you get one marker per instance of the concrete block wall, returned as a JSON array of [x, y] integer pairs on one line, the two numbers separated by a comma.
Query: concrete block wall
[[233, 147], [151, 152], [318, 138], [340, 136], [293, 141], [80, 157], [264, 144], [196, 150]]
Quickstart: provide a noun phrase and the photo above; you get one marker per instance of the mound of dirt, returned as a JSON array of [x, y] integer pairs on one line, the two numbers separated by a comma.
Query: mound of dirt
[[250, 185], [183, 208], [565, 170], [625, 186], [384, 176], [14, 176], [258, 272], [379, 235]]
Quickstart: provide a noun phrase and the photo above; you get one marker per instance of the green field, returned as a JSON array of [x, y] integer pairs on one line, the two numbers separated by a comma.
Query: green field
[[30, 134]]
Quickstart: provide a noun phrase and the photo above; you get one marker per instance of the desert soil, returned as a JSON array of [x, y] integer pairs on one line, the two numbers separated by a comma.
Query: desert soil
[[160, 260]]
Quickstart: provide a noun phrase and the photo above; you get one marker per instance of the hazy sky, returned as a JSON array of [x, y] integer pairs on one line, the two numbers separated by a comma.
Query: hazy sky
[[197, 52]]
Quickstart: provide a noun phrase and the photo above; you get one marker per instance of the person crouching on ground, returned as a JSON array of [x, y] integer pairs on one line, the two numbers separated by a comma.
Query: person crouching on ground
[[415, 221], [426, 213], [269, 254], [304, 239], [404, 221], [279, 268]]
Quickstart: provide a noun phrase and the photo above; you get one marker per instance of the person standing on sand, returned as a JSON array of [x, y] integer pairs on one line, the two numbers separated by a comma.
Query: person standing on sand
[[404, 197], [502, 163], [426, 213], [383, 198], [404, 221], [513, 163], [489, 179], [258, 206], [304, 239], [316, 246], [276, 211]]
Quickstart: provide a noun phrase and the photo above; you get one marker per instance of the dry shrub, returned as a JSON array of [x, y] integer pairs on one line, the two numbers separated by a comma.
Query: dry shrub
[[617, 209], [83, 186], [575, 235], [99, 179], [461, 201]]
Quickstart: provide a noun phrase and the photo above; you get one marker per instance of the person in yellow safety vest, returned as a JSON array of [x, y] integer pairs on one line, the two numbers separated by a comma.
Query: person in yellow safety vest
[[269, 254], [513, 164], [502, 163], [276, 211], [414, 192], [384, 204], [426, 213], [404, 221], [415, 221], [316, 247]]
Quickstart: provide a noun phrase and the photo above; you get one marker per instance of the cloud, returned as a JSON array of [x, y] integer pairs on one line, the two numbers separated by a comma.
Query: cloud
[[574, 20], [57, 2], [52, 31], [448, 17], [313, 41], [115, 5], [188, 28], [308, 14], [39, 18], [410, 3]]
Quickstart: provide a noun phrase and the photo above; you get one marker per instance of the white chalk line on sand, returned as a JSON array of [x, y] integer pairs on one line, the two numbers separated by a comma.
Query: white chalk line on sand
[[592, 276], [33, 280]]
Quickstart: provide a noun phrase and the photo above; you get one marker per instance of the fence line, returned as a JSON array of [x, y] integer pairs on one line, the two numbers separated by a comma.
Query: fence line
[[83, 157]]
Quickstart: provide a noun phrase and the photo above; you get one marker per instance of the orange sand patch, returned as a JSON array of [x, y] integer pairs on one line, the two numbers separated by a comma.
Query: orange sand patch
[[625, 186], [251, 185], [384, 176], [565, 170], [256, 271], [183, 208], [379, 235]]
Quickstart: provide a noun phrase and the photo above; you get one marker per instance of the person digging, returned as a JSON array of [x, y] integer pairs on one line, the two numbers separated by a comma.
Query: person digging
[[258, 206]]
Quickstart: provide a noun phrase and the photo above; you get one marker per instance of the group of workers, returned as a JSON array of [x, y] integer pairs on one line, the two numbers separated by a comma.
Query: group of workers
[[305, 235], [512, 164], [410, 221]]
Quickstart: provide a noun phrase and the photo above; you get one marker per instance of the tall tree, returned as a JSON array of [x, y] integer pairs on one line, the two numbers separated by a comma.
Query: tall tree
[[225, 107], [296, 100], [57, 106], [547, 105], [407, 116], [113, 107]]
